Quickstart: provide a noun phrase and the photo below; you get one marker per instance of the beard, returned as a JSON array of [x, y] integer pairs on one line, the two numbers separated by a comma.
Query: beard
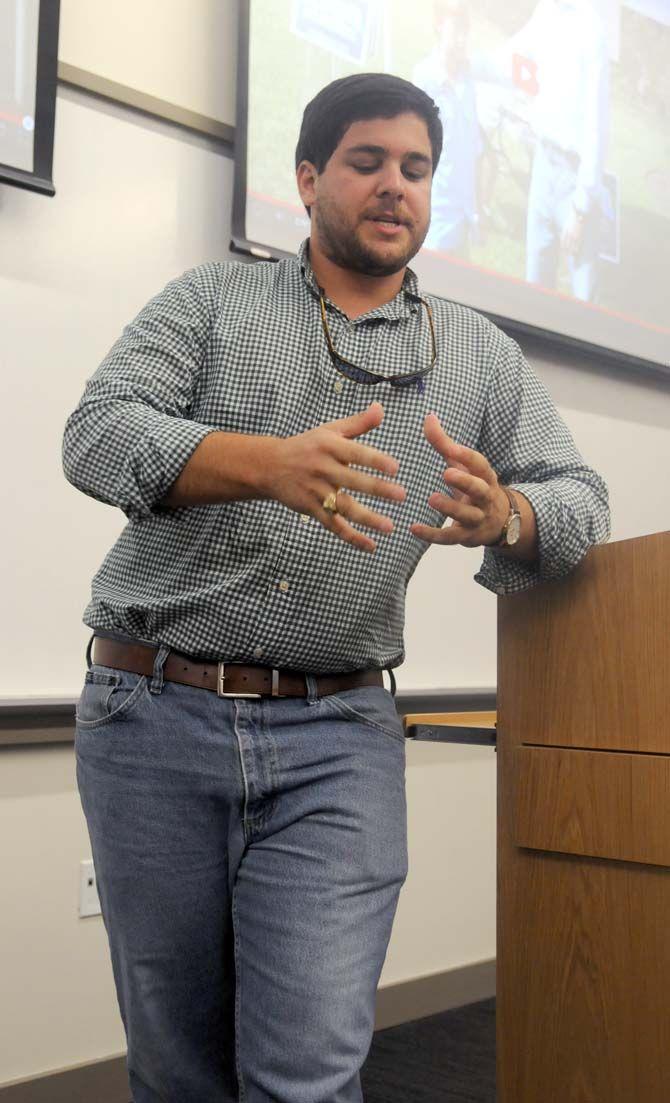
[[343, 245]]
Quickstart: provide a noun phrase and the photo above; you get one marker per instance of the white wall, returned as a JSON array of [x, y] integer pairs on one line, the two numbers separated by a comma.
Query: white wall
[[137, 203], [179, 51]]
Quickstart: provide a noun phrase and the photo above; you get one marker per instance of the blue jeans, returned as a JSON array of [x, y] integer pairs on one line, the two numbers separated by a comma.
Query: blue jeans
[[249, 857]]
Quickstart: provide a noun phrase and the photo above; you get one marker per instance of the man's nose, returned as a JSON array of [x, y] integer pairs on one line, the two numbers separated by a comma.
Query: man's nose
[[391, 181]]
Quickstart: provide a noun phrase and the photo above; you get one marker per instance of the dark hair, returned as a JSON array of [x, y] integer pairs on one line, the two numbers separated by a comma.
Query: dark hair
[[361, 96]]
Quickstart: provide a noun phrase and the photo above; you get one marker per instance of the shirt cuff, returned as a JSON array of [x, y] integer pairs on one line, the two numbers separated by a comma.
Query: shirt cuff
[[157, 462], [561, 545]]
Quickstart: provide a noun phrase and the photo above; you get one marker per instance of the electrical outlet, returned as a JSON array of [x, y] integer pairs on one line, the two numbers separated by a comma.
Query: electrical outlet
[[89, 903]]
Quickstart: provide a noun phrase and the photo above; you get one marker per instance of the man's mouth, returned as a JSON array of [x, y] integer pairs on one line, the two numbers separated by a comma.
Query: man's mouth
[[387, 218], [387, 225]]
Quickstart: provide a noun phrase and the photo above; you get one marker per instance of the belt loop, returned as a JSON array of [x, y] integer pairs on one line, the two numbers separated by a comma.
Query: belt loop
[[89, 648], [392, 677], [156, 683], [312, 689]]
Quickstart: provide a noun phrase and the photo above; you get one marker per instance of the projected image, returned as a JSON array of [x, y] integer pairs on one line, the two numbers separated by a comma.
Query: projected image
[[551, 202], [535, 107], [18, 65]]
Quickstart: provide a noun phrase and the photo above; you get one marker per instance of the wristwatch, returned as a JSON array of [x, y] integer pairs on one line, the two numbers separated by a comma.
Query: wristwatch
[[512, 528]]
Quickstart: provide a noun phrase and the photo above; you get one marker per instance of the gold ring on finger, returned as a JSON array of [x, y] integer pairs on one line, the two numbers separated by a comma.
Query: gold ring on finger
[[330, 501]]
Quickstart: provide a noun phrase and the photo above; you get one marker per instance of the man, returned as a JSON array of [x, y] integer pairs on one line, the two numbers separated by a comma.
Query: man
[[445, 76], [240, 762]]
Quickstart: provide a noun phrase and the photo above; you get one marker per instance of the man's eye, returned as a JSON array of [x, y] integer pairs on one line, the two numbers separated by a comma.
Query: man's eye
[[414, 175], [365, 168]]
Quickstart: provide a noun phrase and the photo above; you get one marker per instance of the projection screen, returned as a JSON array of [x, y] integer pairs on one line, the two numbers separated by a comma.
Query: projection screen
[[551, 201], [28, 74]]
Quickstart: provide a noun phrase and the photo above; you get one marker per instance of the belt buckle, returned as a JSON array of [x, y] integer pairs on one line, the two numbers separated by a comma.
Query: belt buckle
[[220, 680]]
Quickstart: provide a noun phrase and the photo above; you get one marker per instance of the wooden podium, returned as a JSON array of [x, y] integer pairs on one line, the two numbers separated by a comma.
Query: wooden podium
[[583, 957]]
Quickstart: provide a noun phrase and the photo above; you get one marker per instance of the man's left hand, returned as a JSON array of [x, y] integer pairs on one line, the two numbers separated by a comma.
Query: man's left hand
[[479, 507]]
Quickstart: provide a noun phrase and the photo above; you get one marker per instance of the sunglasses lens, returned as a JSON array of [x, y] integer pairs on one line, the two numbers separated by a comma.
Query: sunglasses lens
[[361, 375]]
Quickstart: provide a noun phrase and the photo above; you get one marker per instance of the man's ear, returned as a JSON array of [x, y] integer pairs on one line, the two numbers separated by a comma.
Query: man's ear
[[306, 177]]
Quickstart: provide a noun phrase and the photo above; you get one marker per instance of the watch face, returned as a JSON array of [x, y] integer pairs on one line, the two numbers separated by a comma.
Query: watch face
[[513, 529]]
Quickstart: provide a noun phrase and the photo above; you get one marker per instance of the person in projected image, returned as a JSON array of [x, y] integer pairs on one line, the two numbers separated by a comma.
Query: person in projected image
[[560, 59], [446, 77], [240, 761]]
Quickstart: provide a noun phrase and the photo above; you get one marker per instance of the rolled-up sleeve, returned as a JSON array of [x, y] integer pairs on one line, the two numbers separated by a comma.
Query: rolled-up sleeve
[[531, 450], [130, 435]]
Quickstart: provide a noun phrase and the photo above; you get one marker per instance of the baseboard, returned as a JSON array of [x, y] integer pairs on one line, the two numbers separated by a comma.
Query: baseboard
[[415, 999], [103, 1081], [106, 1080]]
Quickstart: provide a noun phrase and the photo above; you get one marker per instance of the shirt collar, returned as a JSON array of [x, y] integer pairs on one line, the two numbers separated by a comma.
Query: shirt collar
[[403, 304]]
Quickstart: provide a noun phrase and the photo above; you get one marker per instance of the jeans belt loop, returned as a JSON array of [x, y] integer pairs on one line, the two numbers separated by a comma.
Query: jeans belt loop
[[275, 684], [220, 681]]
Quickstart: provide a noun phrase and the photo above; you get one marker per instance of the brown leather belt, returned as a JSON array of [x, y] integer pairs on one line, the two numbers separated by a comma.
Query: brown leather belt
[[226, 679]]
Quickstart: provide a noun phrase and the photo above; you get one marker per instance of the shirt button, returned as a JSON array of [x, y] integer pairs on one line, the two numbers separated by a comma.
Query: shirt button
[[338, 386], [283, 585], [258, 651], [304, 517]]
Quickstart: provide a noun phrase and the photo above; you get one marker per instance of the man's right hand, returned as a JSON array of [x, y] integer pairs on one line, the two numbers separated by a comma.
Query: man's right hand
[[304, 469]]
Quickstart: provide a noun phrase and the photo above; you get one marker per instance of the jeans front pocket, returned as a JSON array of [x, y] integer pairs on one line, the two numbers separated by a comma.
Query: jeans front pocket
[[108, 694], [370, 705]]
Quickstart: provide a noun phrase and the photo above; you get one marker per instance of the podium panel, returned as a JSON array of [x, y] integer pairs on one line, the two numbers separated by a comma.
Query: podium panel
[[582, 982], [589, 662], [583, 962], [594, 803]]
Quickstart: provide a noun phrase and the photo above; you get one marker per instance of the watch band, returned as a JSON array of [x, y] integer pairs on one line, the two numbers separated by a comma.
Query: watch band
[[514, 511]]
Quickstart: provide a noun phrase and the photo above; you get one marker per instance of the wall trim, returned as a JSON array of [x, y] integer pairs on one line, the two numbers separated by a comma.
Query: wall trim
[[106, 1080], [74, 77], [26, 723]]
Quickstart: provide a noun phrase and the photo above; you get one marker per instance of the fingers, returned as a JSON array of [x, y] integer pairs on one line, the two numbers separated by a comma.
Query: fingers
[[477, 490], [453, 534], [474, 504], [467, 515], [363, 455], [359, 514], [349, 510], [464, 529], [473, 484], [361, 483], [356, 424], [473, 461], [436, 435], [343, 472], [350, 452], [329, 457], [337, 524]]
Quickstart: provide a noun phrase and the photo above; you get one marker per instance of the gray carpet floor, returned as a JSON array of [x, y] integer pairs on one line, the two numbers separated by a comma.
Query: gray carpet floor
[[445, 1058]]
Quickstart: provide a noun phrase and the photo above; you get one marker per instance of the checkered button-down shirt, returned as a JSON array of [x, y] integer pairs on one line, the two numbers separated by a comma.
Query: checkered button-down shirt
[[240, 348]]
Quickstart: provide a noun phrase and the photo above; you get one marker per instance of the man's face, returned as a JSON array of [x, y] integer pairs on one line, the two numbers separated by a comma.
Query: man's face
[[380, 171]]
